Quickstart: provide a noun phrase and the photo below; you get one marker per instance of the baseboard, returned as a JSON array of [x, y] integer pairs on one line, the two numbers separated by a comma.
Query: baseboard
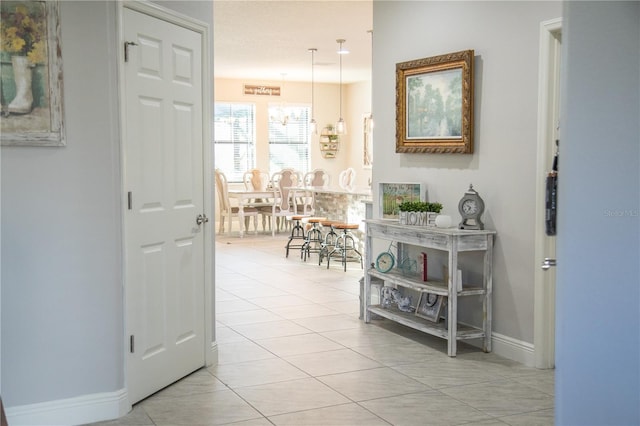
[[516, 350], [71, 411], [80, 410]]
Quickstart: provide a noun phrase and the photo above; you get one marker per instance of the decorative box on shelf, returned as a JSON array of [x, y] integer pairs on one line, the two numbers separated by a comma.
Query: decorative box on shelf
[[418, 213], [417, 218]]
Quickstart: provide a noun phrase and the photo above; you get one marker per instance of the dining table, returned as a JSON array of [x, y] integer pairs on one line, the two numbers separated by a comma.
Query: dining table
[[245, 199]]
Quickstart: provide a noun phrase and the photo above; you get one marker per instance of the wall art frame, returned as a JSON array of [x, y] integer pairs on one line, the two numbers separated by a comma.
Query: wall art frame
[[42, 122], [429, 306], [434, 104], [393, 193], [367, 141]]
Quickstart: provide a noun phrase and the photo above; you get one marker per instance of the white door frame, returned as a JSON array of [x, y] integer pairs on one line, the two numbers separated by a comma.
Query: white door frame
[[544, 292], [210, 348]]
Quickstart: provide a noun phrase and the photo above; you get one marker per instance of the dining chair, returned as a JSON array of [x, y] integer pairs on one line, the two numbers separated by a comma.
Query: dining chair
[[258, 180], [296, 203], [347, 178], [318, 178], [283, 181], [228, 211], [293, 175]]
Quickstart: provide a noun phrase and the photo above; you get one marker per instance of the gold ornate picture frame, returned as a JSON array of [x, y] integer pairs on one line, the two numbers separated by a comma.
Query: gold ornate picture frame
[[434, 104]]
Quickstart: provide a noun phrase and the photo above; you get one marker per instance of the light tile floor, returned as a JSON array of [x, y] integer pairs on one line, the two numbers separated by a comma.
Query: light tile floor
[[292, 351]]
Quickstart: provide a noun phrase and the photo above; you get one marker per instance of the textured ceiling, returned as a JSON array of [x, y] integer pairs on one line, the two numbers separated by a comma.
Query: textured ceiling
[[262, 40]]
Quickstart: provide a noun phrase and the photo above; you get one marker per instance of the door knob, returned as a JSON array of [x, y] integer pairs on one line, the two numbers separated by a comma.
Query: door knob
[[201, 219], [548, 263]]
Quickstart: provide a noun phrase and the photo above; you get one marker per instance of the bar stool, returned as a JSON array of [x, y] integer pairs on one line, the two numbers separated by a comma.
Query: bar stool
[[297, 233], [313, 240], [329, 239], [345, 247]]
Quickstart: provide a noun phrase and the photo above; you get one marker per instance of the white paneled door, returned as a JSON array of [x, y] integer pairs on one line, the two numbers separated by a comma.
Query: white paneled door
[[163, 181]]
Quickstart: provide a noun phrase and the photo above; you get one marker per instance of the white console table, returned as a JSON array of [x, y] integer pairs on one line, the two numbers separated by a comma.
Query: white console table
[[453, 241]]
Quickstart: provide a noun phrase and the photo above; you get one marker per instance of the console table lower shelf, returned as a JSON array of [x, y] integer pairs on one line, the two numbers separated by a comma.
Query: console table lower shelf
[[438, 329]]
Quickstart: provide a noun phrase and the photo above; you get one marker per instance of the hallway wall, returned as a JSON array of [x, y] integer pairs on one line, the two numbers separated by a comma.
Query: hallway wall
[[598, 351], [502, 169], [62, 315]]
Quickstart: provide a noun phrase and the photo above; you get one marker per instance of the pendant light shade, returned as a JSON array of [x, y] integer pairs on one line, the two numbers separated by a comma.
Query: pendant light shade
[[313, 125], [341, 126]]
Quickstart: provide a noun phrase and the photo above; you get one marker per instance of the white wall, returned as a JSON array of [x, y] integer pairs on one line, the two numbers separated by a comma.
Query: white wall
[[62, 314], [504, 36], [62, 296], [356, 101], [598, 291]]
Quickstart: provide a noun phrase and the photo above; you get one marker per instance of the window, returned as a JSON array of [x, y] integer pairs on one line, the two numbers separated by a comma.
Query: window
[[234, 139], [289, 144]]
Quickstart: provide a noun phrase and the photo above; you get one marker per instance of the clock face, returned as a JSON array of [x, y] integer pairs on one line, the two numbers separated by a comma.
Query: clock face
[[470, 207], [384, 262]]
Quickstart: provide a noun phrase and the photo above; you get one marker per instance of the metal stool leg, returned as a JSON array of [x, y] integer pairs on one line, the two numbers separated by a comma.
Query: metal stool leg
[[338, 247], [314, 236], [329, 241], [297, 233], [345, 243], [348, 236]]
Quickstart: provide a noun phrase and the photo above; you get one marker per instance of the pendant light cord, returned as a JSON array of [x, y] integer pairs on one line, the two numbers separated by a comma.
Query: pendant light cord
[[312, 86], [340, 80], [312, 123], [341, 127]]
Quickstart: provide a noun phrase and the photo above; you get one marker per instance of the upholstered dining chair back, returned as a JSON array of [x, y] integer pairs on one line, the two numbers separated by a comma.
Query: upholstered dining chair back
[[294, 175], [256, 180], [284, 180], [317, 177]]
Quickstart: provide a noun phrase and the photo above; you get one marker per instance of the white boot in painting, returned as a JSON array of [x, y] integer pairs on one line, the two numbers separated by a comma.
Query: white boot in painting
[[22, 75]]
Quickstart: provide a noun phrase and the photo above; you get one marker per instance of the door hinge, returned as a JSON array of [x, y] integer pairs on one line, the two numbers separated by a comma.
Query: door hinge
[[548, 263], [126, 49], [131, 341], [129, 200]]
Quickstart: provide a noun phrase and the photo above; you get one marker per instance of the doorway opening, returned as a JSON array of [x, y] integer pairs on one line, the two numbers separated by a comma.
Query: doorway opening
[[548, 125]]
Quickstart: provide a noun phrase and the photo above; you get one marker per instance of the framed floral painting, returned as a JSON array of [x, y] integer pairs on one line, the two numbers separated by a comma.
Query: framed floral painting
[[31, 74]]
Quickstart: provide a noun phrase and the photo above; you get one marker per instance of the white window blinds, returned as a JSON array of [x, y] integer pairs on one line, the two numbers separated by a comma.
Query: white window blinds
[[234, 139], [289, 143]]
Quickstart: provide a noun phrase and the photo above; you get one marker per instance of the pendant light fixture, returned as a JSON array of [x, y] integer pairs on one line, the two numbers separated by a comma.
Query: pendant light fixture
[[313, 125], [341, 126]]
